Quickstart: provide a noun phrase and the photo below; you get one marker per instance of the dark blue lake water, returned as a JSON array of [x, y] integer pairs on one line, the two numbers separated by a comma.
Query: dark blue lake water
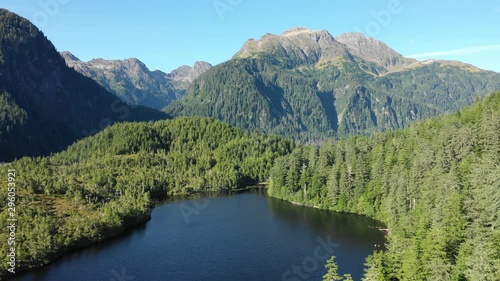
[[247, 236]]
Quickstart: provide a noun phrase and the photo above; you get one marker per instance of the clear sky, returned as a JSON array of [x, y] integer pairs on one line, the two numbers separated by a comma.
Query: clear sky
[[165, 34]]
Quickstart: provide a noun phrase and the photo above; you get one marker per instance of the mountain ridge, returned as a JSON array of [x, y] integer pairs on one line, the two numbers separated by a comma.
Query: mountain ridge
[[44, 105], [308, 85], [303, 45], [374, 50], [132, 81]]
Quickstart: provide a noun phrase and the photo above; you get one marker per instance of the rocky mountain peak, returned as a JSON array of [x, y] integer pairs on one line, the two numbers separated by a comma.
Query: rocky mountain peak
[[300, 45], [373, 50], [68, 56], [132, 65], [131, 80], [300, 31], [201, 66], [187, 74]]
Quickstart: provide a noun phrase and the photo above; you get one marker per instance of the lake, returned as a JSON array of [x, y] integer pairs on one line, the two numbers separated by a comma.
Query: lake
[[245, 236]]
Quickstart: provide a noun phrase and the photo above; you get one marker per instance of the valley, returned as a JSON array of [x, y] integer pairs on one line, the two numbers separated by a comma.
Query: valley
[[397, 160]]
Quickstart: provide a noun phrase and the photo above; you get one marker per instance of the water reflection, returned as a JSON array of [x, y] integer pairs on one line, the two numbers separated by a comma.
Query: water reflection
[[239, 236], [345, 227]]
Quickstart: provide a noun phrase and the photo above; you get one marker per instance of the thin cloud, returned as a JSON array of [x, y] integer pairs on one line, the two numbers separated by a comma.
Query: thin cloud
[[454, 52]]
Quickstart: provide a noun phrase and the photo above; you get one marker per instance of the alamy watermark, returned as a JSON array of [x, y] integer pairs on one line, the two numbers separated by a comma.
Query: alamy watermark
[[121, 275], [11, 220]]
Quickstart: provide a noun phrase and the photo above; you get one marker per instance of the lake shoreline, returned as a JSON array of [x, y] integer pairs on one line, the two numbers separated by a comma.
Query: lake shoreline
[[139, 221], [135, 223], [229, 225], [383, 228]]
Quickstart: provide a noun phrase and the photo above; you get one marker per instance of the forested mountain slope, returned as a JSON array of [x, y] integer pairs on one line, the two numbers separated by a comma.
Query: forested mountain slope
[[435, 184], [102, 184], [44, 105], [308, 85]]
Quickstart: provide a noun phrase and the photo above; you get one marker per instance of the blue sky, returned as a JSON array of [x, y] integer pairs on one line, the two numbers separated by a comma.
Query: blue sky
[[165, 34]]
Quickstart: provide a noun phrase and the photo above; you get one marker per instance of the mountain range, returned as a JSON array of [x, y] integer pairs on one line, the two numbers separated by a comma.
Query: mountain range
[[45, 105], [434, 184], [308, 85], [134, 83], [303, 84]]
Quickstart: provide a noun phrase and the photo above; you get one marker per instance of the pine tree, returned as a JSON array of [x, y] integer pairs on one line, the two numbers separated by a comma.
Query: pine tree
[[332, 274]]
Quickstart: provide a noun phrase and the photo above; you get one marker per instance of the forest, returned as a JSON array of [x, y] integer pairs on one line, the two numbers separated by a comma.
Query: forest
[[104, 184], [436, 185]]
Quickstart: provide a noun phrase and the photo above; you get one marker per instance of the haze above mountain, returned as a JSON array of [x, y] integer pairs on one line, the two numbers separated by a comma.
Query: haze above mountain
[[308, 85], [134, 83]]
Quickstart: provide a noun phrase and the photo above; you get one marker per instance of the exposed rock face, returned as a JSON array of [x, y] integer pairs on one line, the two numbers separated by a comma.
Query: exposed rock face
[[303, 46], [306, 46], [307, 85], [182, 77], [373, 50], [188, 74], [133, 82], [45, 105]]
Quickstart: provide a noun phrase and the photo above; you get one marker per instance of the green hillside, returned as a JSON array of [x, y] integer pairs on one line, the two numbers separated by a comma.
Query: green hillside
[[103, 184], [308, 86], [436, 185]]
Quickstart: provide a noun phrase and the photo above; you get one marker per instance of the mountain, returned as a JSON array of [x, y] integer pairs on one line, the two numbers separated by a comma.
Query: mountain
[[305, 46], [374, 51], [134, 83], [308, 85], [44, 105], [297, 46], [182, 77]]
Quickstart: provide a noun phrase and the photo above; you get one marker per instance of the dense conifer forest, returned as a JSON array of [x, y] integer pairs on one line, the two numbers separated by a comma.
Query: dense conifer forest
[[104, 184], [436, 185]]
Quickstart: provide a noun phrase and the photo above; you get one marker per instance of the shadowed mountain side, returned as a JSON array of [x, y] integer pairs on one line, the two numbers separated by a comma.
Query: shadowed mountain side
[[44, 105]]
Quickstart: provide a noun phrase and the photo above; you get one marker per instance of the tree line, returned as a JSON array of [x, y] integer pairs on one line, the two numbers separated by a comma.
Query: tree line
[[436, 185], [104, 184]]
